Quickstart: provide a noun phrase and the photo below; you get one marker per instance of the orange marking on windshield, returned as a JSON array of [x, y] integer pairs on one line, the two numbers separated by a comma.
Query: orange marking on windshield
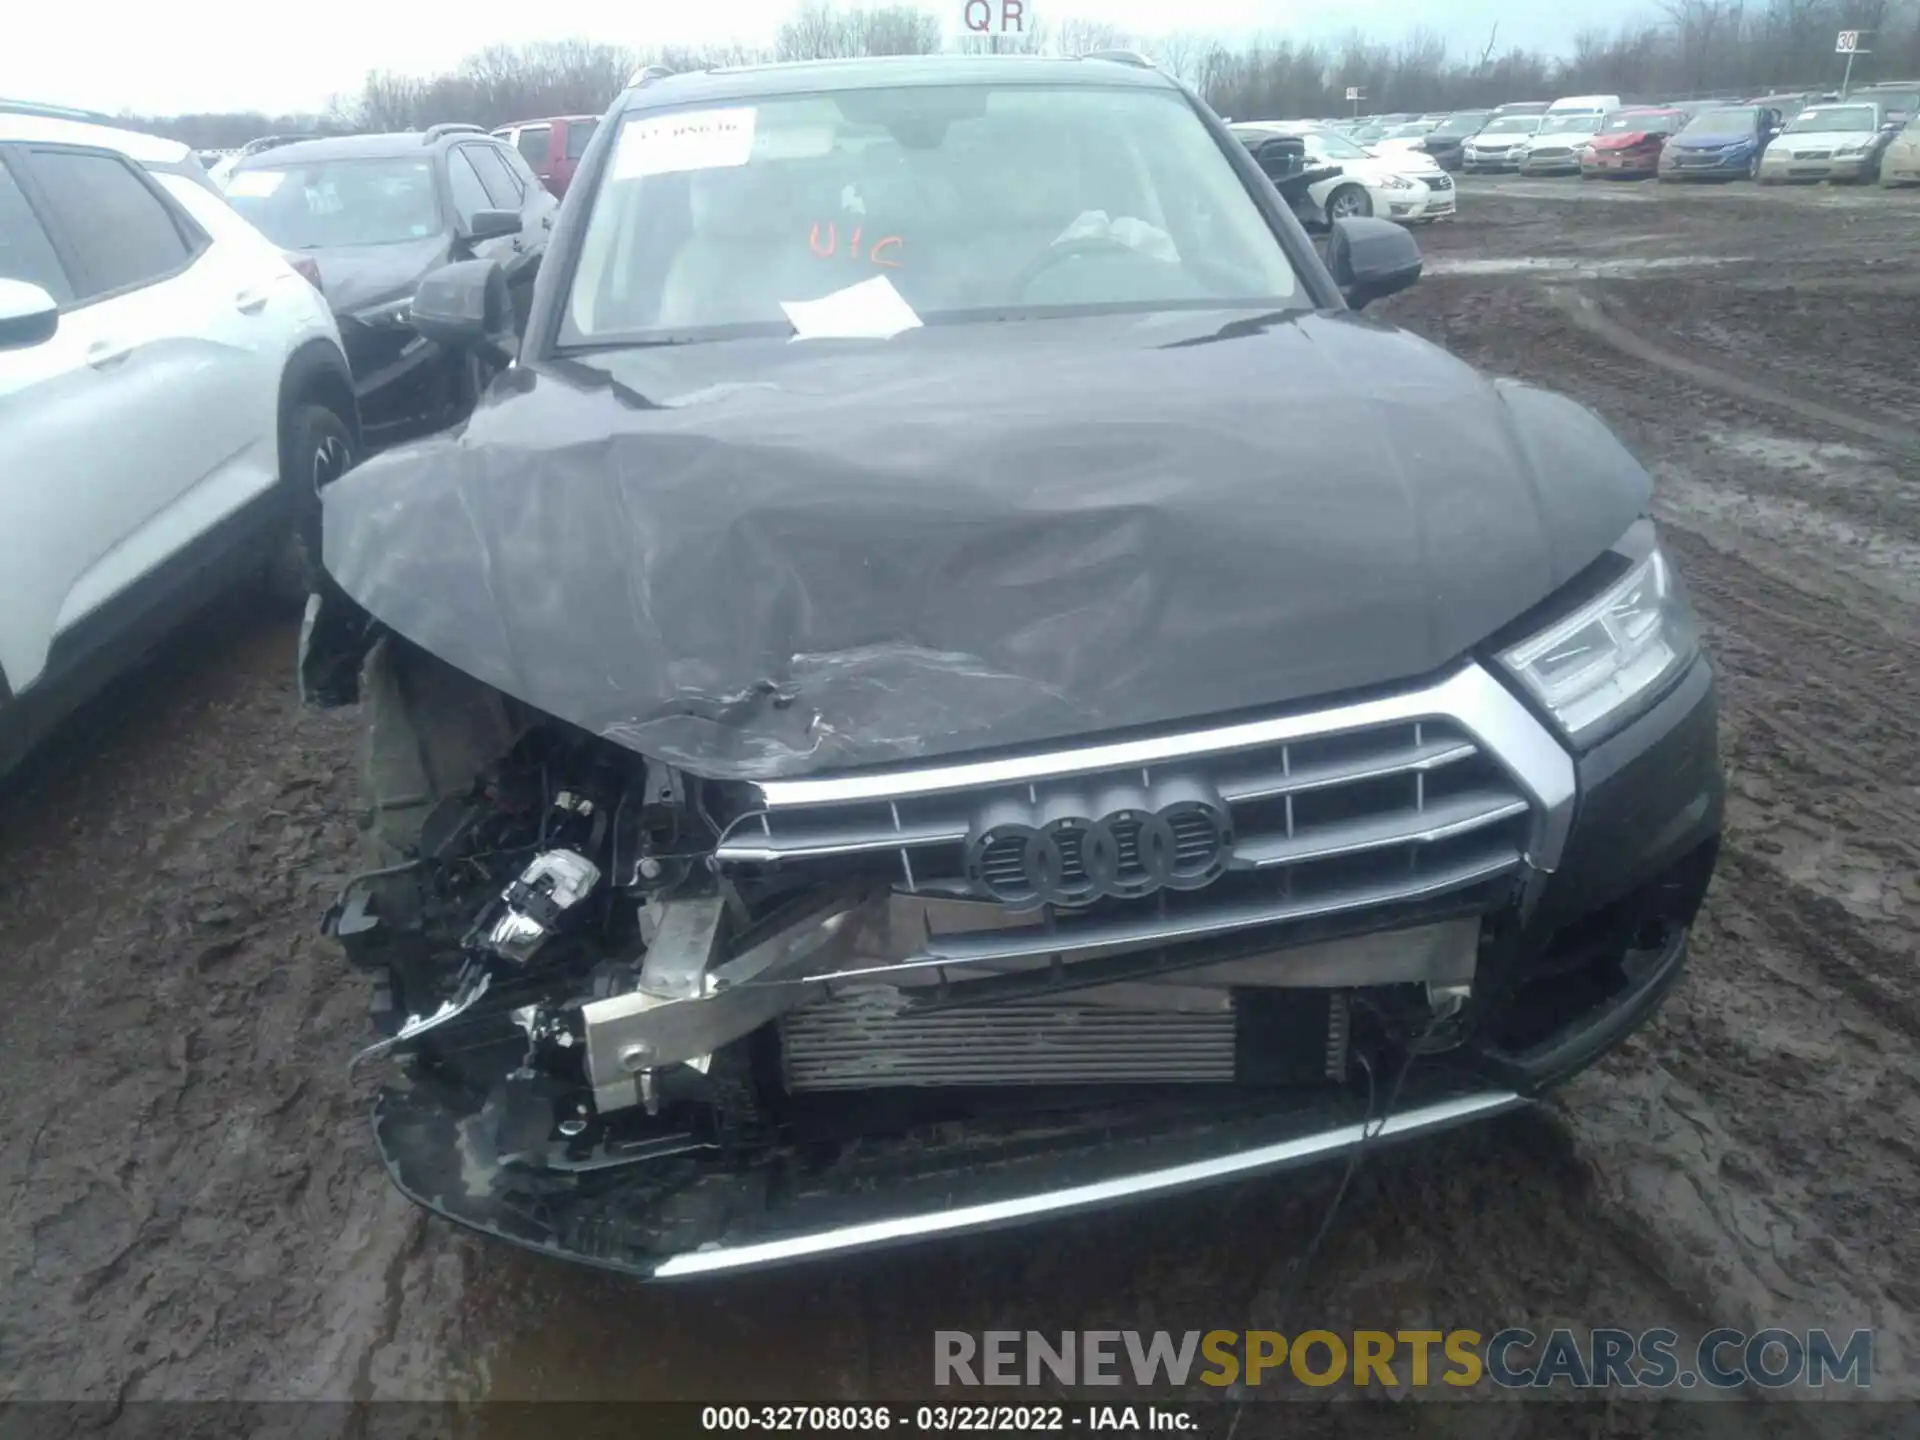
[[832, 245]]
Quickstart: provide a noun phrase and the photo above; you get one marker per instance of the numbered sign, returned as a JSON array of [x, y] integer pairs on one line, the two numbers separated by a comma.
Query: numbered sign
[[1847, 43]]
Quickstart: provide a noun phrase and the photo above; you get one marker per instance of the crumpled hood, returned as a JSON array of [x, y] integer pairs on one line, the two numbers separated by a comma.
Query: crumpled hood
[[352, 277], [763, 558]]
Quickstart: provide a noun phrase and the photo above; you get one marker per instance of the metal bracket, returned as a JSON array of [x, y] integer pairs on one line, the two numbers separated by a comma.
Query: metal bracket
[[638, 1031]]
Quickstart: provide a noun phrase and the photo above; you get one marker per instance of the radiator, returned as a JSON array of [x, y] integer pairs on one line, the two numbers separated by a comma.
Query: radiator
[[870, 1040]]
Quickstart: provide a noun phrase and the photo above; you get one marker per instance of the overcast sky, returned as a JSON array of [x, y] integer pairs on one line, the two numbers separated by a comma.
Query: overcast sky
[[252, 55]]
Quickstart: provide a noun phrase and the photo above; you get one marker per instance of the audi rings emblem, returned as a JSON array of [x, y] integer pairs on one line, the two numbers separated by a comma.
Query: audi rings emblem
[[1123, 843]]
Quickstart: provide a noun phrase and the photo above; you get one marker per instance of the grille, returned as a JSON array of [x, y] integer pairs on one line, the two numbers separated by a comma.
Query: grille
[[1813, 155], [1320, 825], [1438, 182], [1551, 152]]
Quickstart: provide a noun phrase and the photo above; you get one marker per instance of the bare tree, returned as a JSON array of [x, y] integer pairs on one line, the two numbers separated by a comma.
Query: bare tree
[[1701, 45], [824, 31]]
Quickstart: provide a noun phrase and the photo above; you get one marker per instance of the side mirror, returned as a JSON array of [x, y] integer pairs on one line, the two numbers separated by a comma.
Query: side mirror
[[28, 315], [465, 306], [1371, 259], [490, 225]]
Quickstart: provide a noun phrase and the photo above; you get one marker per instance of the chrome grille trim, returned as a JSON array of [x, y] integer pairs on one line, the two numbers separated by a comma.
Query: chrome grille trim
[[1427, 755], [1458, 815], [1470, 698], [1196, 922]]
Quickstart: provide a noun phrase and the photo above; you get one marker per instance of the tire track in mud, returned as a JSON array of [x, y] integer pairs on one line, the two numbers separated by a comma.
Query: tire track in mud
[[1766, 1156], [1586, 311]]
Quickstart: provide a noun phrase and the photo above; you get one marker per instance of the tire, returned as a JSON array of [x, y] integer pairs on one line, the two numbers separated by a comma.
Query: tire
[[316, 448], [1753, 167], [1349, 202]]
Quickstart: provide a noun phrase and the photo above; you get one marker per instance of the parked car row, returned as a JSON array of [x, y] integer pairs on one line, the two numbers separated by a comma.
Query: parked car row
[[1872, 134], [1775, 138]]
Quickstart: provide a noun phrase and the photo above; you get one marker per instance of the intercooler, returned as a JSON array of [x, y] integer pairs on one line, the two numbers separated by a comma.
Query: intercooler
[[876, 1040]]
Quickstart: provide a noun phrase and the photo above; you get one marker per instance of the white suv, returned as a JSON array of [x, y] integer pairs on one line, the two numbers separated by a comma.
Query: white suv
[[172, 394]]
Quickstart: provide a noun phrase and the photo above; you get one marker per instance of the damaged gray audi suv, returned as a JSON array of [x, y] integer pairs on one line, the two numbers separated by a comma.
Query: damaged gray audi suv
[[954, 679]]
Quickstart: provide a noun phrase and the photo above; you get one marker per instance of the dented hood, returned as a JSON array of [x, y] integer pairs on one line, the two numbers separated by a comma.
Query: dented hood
[[763, 558]]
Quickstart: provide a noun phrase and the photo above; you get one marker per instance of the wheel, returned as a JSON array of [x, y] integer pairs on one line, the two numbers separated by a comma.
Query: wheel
[[1349, 202], [1753, 166], [316, 449]]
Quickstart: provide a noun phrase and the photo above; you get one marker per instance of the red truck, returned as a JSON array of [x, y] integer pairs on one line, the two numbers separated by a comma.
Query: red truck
[[553, 146]]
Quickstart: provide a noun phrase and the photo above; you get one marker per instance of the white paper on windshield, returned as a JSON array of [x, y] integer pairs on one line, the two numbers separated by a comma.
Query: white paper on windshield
[[688, 140], [871, 310], [255, 183]]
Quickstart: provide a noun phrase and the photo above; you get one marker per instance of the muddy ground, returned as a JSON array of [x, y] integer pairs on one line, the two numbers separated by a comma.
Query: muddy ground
[[192, 1206]]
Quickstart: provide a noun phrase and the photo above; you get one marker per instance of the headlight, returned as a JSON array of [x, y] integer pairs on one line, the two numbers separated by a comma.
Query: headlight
[[1394, 182], [1846, 150], [1616, 649], [393, 314]]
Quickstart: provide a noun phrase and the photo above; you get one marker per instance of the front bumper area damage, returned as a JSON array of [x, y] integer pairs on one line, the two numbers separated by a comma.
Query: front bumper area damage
[[672, 1026]]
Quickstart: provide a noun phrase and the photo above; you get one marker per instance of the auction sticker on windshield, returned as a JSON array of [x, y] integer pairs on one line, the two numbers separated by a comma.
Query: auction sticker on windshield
[[689, 140]]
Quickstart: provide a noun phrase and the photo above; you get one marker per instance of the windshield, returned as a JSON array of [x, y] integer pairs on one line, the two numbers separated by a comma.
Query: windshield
[[325, 203], [1334, 147], [1457, 125], [1512, 125], [1651, 122], [964, 198], [1570, 125], [1725, 119], [1828, 118], [1412, 131]]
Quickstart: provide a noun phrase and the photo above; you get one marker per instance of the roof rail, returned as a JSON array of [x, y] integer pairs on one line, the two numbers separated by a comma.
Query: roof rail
[[59, 112], [646, 74], [451, 127], [1122, 57]]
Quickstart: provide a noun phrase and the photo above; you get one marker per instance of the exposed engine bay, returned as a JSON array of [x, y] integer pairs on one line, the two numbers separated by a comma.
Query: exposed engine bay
[[599, 960]]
